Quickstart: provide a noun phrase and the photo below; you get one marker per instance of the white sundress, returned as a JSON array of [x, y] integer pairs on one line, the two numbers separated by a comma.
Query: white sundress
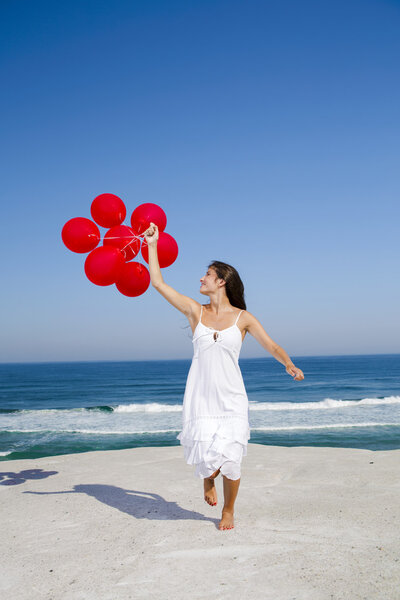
[[215, 425]]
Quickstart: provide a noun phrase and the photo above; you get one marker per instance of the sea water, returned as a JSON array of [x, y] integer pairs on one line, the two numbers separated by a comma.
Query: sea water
[[58, 408]]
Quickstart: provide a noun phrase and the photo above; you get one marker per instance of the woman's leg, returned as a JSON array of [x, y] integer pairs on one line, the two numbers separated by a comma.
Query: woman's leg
[[231, 488], [210, 491]]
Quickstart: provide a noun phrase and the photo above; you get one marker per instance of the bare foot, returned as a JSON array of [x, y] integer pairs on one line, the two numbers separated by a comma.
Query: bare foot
[[210, 492], [227, 520]]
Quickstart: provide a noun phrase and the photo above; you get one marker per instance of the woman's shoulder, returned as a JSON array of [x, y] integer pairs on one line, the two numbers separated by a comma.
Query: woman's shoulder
[[245, 317]]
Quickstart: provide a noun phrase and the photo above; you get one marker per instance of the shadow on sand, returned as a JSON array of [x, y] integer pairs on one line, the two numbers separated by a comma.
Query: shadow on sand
[[141, 505], [11, 478]]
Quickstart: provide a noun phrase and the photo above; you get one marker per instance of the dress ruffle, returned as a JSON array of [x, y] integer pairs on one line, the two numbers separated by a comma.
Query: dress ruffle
[[213, 442]]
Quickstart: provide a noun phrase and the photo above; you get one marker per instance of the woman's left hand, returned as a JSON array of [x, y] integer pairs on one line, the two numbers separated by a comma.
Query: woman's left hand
[[297, 373]]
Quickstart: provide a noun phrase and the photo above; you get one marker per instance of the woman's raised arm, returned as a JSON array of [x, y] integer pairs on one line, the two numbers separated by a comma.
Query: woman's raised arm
[[185, 304]]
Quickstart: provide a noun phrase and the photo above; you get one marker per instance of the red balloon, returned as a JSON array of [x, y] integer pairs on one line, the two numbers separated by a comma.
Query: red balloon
[[80, 235], [108, 210], [123, 238], [134, 279], [146, 213], [167, 250], [103, 265]]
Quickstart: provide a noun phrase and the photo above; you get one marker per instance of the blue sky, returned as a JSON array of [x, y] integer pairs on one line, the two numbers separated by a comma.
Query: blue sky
[[267, 131]]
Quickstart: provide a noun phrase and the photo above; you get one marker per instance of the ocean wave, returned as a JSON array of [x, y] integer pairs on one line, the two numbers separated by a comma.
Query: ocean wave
[[158, 407], [121, 408], [257, 405], [330, 426], [44, 411], [93, 431], [148, 407], [174, 430], [322, 404]]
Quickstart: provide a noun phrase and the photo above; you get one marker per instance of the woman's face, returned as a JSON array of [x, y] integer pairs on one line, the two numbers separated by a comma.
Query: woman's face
[[209, 281]]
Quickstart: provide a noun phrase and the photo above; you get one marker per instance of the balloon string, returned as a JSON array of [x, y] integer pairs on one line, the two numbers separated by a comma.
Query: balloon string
[[131, 238], [120, 237]]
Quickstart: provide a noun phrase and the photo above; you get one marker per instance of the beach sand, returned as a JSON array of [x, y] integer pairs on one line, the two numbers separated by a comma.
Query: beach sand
[[310, 523]]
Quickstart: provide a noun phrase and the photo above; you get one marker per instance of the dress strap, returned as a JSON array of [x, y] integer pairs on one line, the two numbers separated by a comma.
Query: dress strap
[[237, 318], [201, 312]]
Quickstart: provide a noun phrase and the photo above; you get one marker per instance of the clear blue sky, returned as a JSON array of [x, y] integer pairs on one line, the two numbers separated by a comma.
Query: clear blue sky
[[267, 131]]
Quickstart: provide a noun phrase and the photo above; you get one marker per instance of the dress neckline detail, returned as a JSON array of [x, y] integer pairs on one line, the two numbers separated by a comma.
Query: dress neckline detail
[[219, 330]]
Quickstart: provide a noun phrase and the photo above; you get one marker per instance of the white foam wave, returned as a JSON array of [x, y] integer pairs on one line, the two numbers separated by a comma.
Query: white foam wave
[[254, 405], [6, 453], [322, 404], [331, 426], [123, 432], [93, 431], [152, 431], [149, 407], [49, 411]]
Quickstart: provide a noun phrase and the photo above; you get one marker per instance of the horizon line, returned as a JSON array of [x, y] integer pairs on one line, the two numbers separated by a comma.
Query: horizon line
[[52, 362]]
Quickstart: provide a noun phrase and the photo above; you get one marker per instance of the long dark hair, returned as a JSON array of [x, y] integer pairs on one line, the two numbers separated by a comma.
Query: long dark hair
[[234, 286]]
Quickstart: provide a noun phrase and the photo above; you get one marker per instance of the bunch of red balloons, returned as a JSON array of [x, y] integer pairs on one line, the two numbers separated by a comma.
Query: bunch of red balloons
[[112, 262]]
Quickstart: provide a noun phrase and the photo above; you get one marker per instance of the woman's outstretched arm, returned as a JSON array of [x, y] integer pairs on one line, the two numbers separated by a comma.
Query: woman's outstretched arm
[[188, 306], [254, 327]]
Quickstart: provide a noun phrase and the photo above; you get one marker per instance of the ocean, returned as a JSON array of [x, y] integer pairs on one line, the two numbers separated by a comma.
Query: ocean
[[61, 408]]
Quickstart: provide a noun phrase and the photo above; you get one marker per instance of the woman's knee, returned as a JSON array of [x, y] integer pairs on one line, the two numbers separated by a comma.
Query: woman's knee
[[214, 475], [230, 470]]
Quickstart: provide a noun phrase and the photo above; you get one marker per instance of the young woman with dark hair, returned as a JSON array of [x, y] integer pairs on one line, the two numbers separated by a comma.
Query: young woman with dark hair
[[215, 427]]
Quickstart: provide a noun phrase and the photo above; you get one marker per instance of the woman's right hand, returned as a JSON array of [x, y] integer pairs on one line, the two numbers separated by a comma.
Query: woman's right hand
[[151, 235]]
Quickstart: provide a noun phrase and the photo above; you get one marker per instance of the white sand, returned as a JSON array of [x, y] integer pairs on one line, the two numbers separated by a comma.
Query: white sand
[[310, 523]]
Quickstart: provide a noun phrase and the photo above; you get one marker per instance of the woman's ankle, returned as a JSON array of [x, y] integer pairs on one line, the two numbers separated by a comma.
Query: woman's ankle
[[228, 509]]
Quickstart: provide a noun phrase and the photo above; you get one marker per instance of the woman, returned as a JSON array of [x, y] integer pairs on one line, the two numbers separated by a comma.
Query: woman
[[215, 427]]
